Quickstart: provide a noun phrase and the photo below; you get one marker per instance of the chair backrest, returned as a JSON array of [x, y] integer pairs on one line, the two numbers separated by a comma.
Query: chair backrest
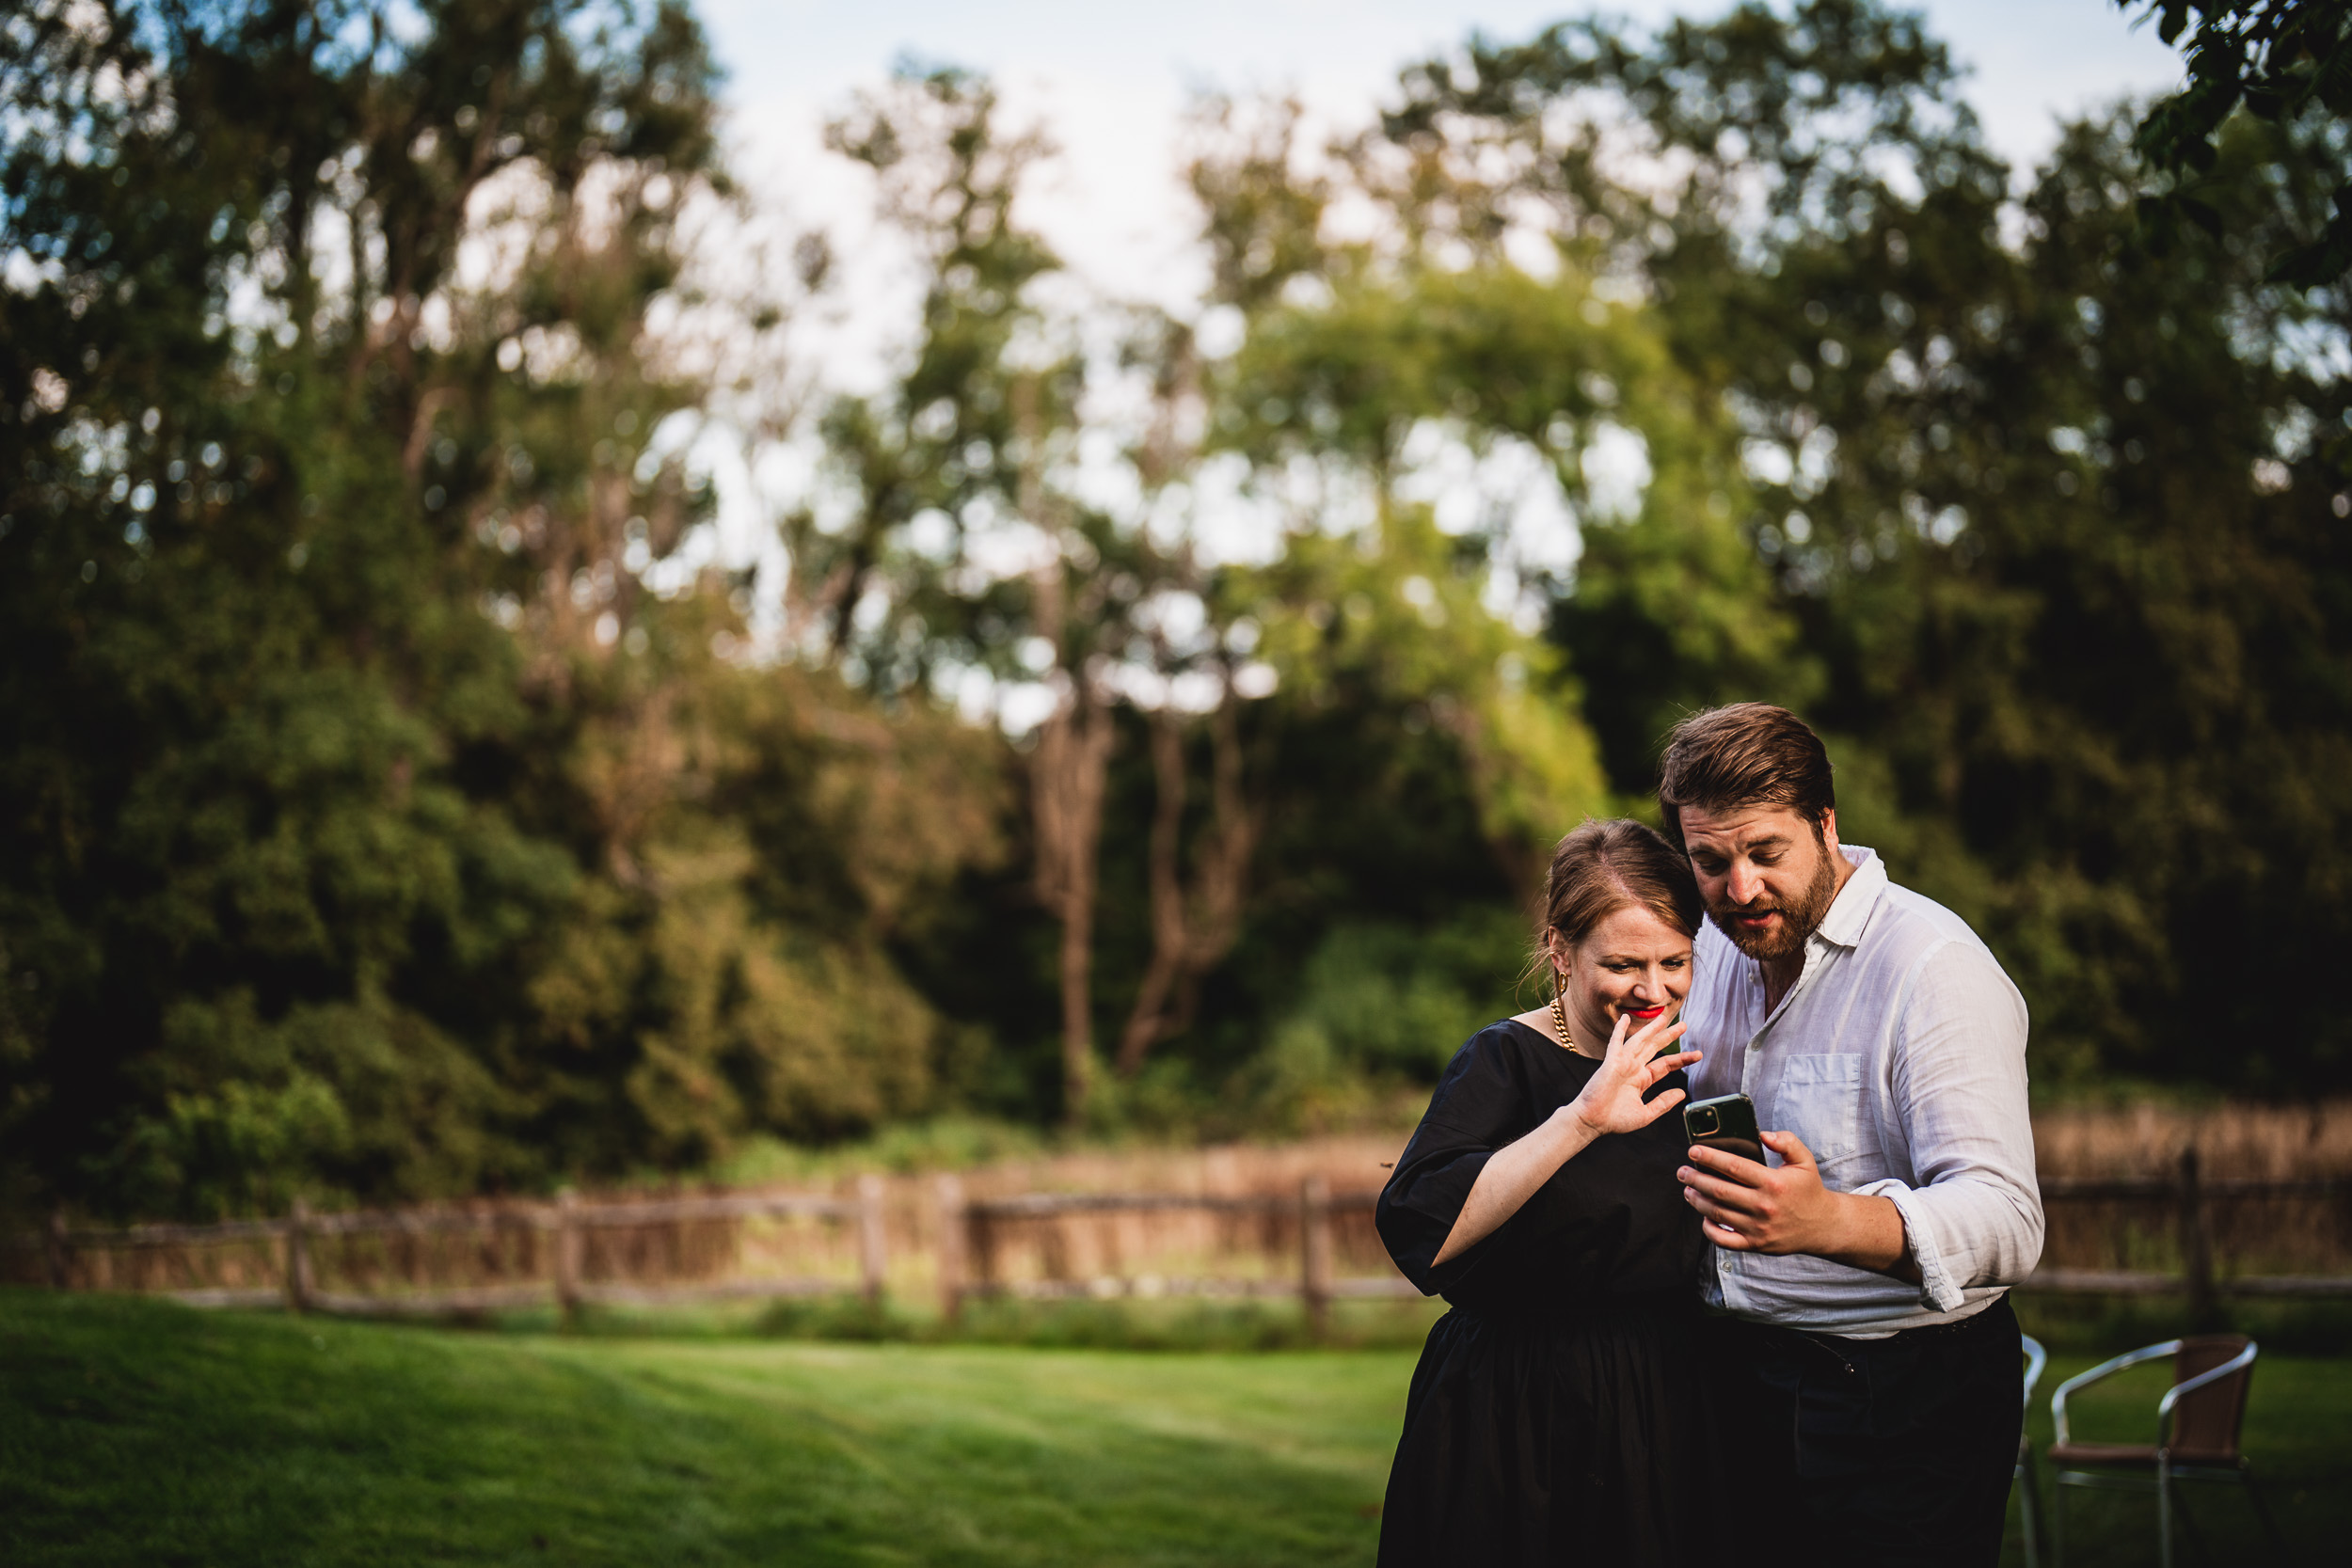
[[2036, 1359], [2205, 1423]]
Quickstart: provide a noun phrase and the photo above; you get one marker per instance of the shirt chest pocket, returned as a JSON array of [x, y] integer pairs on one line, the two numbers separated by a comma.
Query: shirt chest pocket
[[1821, 1101]]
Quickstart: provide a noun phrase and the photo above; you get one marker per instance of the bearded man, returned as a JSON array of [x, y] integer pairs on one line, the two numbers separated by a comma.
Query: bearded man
[[1871, 1357]]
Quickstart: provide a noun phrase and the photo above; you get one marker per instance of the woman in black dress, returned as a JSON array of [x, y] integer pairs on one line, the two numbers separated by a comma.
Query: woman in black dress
[[1557, 1415]]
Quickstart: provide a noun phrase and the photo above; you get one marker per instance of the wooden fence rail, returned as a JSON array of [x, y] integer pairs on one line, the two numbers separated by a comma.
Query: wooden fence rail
[[966, 1236], [963, 1228], [566, 1220]]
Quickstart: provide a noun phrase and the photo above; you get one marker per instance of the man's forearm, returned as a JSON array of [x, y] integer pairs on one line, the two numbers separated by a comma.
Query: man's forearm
[[1867, 1233]]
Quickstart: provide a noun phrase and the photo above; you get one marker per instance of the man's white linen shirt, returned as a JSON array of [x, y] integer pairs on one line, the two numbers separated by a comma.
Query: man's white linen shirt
[[1898, 1057]]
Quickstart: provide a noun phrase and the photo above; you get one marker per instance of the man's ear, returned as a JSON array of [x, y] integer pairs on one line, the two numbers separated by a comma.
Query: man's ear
[[1829, 829]]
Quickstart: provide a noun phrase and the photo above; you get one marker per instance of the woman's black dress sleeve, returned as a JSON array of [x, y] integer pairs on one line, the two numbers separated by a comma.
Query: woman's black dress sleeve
[[1555, 1416]]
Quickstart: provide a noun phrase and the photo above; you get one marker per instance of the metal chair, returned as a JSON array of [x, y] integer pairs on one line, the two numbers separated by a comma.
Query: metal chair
[[2028, 1500], [2197, 1437]]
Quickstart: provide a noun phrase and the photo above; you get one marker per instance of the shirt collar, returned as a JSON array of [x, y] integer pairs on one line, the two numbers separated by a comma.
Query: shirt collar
[[1849, 912]]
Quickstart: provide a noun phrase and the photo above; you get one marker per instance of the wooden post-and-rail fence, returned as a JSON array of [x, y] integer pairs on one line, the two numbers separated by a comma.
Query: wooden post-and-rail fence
[[966, 1251], [567, 1220], [2192, 1197], [967, 1254], [970, 1237]]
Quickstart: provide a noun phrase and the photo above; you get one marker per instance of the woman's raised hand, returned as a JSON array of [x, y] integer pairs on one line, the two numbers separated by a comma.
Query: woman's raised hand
[[1611, 1100]]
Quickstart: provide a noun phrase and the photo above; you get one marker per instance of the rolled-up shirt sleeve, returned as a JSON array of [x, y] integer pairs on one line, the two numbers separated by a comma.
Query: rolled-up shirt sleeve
[[1973, 1218]]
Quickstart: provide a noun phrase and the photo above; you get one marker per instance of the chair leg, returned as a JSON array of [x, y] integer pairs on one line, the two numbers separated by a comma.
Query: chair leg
[[2262, 1511], [2188, 1527], [2028, 1509], [2164, 1510]]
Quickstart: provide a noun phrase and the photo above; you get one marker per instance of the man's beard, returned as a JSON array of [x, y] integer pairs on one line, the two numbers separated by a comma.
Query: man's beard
[[1798, 921]]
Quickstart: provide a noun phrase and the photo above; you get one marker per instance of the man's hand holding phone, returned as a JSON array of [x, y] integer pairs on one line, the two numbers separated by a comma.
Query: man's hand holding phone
[[1748, 1207]]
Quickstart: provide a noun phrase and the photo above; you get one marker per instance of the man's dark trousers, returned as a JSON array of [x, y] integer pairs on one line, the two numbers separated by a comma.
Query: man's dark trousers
[[1895, 1452]]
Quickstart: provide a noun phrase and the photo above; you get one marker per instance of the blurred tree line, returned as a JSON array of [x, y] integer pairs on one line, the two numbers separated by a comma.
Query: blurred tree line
[[1163, 719]]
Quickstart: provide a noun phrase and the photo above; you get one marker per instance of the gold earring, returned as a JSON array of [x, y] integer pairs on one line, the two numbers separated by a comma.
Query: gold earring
[[1560, 1013]]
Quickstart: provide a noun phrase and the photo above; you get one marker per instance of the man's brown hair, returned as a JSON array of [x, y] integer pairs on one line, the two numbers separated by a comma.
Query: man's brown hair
[[1744, 754]]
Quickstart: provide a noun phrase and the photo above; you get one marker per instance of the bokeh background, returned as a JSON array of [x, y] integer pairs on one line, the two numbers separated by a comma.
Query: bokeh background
[[823, 715], [592, 590]]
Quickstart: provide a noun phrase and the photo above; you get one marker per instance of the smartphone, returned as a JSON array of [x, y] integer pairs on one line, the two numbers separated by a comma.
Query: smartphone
[[1726, 1122]]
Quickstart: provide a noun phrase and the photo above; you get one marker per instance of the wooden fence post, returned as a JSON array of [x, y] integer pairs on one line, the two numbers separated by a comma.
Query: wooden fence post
[[872, 1258], [952, 1224], [2196, 1241], [1314, 1253], [60, 1250], [298, 1285], [569, 1248]]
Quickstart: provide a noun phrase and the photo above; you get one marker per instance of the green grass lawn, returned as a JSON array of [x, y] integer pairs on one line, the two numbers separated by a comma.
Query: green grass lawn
[[136, 1432]]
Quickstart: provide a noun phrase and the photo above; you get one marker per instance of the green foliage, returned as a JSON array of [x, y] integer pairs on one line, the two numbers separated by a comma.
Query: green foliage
[[946, 443], [374, 828], [1379, 1011], [1400, 627], [2281, 61]]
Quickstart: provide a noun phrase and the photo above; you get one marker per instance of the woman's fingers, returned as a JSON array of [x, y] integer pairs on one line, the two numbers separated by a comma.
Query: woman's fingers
[[1649, 1043], [1665, 1026], [1635, 1061], [1661, 1066], [1652, 1109], [1647, 1040]]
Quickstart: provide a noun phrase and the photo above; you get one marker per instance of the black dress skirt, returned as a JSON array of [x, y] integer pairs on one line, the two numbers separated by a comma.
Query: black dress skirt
[[1559, 1412]]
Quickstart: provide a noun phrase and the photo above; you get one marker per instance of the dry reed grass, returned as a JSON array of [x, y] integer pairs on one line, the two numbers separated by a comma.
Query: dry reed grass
[[1176, 1244], [2304, 1234], [235, 1265], [2250, 1142], [2297, 1234]]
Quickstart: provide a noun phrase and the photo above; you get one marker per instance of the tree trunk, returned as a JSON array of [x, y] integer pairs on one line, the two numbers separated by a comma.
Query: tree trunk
[[1192, 929], [1067, 770]]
